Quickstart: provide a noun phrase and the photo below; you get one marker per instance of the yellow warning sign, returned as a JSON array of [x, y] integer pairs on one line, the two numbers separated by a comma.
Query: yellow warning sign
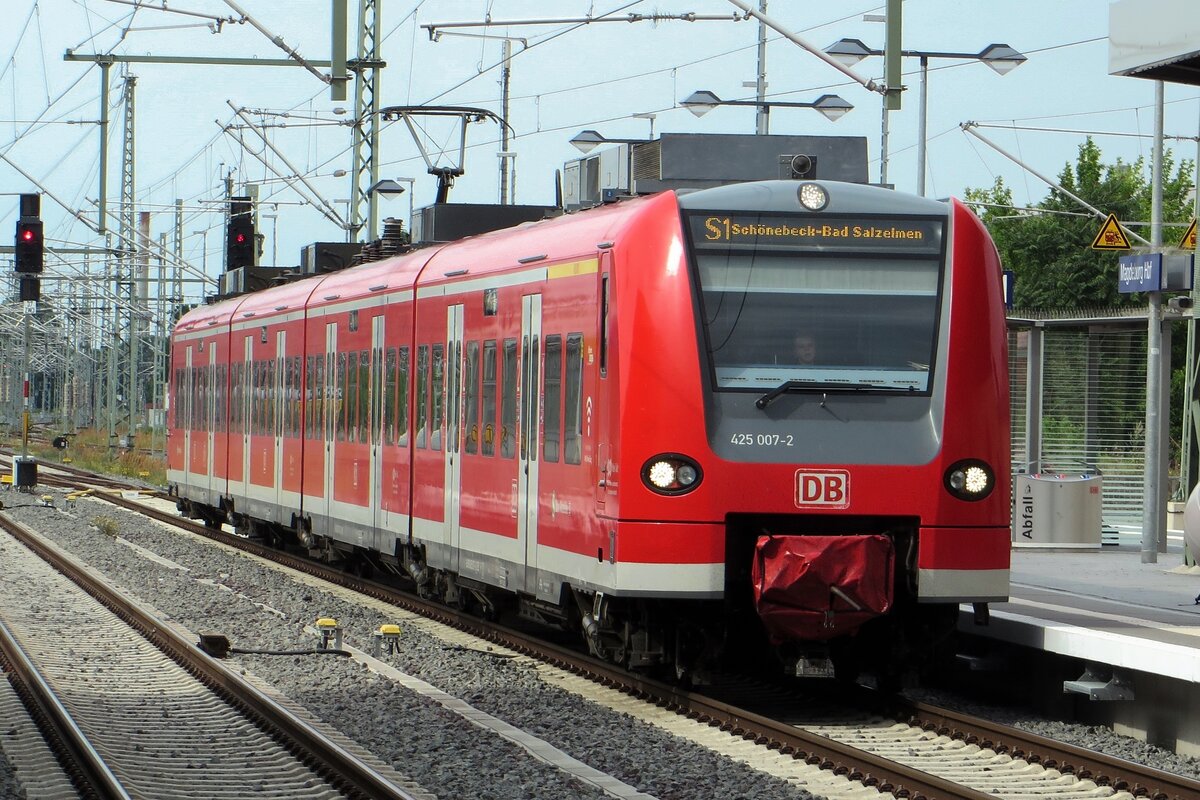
[[1111, 237], [1188, 242]]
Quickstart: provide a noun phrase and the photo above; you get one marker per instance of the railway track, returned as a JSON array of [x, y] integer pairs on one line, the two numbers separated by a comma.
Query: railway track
[[52, 474], [907, 749], [138, 710]]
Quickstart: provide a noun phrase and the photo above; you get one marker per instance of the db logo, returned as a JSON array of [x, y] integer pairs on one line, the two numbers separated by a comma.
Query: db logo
[[827, 489]]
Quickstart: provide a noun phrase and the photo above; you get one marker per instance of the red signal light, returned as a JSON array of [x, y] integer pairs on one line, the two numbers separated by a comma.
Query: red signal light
[[27, 235], [240, 238]]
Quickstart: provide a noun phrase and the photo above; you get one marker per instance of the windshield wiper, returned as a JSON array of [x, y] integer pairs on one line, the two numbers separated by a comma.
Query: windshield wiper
[[796, 386]]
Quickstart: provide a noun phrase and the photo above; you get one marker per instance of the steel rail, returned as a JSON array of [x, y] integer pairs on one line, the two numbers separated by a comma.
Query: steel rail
[[340, 766], [79, 758], [1104, 770]]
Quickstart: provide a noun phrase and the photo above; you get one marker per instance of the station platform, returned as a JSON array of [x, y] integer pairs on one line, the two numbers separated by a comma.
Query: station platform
[[1135, 627], [1104, 606]]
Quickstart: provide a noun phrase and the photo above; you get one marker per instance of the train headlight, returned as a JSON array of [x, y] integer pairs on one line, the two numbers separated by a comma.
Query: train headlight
[[686, 475], [662, 474], [671, 474], [970, 479], [813, 196]]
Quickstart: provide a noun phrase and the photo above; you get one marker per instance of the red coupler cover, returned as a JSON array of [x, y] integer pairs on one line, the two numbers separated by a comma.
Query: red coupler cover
[[819, 587]]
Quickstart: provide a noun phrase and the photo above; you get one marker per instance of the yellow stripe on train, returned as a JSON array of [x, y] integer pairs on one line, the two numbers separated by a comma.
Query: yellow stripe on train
[[586, 267]]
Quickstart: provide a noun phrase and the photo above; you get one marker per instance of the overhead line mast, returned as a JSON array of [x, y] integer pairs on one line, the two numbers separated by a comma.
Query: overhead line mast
[[364, 169]]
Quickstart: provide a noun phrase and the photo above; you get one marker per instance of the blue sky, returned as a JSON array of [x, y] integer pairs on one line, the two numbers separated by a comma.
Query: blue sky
[[570, 78]]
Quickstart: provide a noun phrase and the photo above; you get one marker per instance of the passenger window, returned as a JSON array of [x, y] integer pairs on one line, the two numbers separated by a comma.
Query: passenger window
[[273, 397], [508, 401], [487, 425], [307, 397], [422, 395], [402, 400], [298, 396], [235, 397], [389, 396], [351, 395], [286, 396], [471, 390], [343, 394], [363, 416], [255, 408], [573, 410], [529, 396], [437, 395], [552, 389], [453, 394]]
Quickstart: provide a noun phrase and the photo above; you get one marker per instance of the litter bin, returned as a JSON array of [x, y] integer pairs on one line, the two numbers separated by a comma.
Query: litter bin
[[1057, 511]]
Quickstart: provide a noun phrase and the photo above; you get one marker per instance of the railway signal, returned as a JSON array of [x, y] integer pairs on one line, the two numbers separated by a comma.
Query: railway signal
[[30, 245], [239, 235]]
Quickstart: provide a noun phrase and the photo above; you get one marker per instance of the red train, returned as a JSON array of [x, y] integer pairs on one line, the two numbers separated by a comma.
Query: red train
[[684, 424]]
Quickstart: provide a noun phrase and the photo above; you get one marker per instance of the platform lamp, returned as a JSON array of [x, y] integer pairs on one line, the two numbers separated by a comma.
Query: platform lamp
[[703, 101], [1000, 57], [588, 140]]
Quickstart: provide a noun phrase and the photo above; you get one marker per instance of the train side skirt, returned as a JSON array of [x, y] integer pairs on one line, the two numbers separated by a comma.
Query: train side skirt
[[967, 565]]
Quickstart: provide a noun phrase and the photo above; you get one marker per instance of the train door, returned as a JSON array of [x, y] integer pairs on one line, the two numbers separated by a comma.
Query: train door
[[280, 401], [333, 404], [530, 435], [376, 416], [597, 408], [453, 482]]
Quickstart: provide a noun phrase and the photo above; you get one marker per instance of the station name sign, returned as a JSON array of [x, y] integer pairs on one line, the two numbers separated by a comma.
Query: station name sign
[[1153, 272], [762, 230]]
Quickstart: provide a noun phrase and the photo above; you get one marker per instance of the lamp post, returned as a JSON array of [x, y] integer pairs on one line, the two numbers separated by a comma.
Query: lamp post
[[830, 105], [1000, 57], [648, 116], [506, 156], [274, 238], [203, 234], [387, 188]]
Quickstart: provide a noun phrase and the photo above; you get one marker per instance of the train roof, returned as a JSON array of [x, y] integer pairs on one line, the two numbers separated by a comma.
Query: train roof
[[559, 237], [486, 253], [202, 317], [393, 274]]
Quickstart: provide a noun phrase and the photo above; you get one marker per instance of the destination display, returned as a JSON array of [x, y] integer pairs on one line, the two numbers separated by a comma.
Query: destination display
[[809, 233]]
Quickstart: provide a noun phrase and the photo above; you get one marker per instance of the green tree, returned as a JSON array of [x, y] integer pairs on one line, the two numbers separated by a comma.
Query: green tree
[[1049, 246]]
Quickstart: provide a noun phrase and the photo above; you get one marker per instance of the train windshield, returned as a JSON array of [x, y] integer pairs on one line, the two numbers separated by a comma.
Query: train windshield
[[834, 302]]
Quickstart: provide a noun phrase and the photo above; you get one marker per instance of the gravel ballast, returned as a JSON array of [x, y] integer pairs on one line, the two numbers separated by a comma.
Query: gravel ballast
[[261, 608]]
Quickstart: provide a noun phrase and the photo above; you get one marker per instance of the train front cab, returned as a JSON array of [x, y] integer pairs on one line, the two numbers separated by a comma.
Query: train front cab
[[870, 443]]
